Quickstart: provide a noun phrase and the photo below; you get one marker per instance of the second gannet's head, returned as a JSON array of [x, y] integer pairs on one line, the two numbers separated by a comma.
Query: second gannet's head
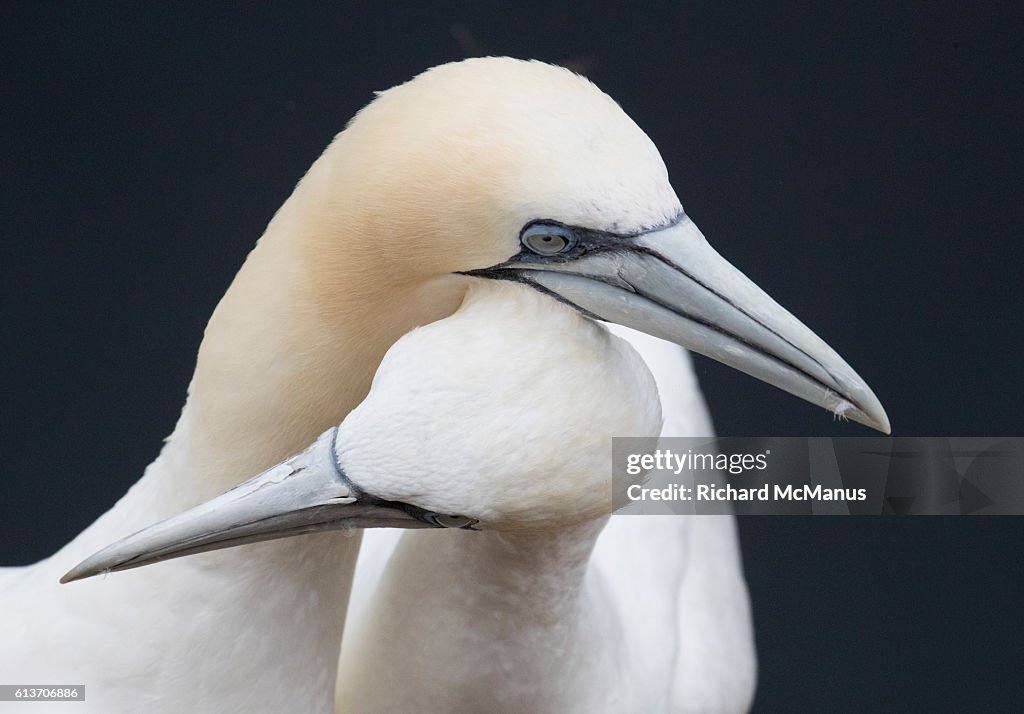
[[503, 413], [500, 417], [522, 171]]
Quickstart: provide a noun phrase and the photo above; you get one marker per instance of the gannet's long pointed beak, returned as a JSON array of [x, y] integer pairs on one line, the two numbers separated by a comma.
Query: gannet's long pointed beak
[[672, 284], [303, 494]]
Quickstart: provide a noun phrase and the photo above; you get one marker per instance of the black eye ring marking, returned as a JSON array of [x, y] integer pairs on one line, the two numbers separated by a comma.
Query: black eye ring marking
[[580, 241]]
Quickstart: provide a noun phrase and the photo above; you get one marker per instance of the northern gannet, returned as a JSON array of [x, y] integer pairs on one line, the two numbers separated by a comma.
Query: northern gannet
[[493, 168], [675, 607]]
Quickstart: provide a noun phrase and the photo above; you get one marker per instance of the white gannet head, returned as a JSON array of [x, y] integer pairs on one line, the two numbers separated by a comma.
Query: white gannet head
[[502, 413], [498, 417], [522, 171]]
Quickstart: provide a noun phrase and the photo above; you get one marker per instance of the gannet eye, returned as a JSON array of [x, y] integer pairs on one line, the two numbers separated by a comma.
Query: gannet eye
[[442, 521], [548, 239]]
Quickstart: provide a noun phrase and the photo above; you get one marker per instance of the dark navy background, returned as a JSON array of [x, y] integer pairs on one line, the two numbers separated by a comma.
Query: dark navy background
[[862, 164]]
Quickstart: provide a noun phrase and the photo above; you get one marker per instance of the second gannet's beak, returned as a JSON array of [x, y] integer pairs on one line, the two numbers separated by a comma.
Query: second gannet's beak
[[672, 284], [306, 493]]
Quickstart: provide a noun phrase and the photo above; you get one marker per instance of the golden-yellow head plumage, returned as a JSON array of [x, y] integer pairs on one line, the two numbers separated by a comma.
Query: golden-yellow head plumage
[[434, 177]]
